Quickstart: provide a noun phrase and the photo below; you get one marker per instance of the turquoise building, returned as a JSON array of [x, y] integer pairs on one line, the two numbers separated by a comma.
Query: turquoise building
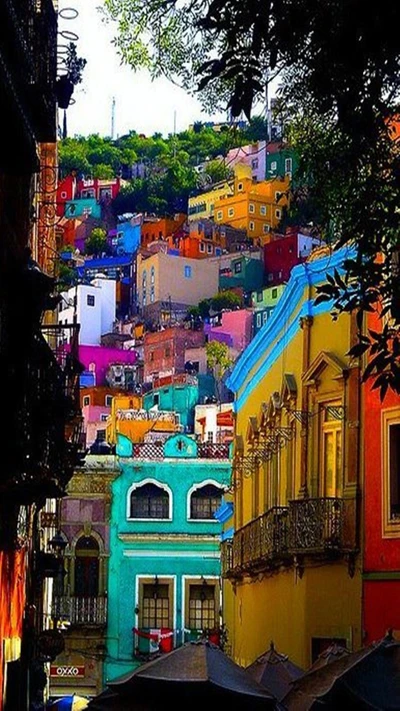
[[164, 568], [83, 207], [181, 395], [264, 302]]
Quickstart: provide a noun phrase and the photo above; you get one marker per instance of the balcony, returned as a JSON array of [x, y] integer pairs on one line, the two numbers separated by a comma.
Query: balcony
[[262, 542], [81, 611], [316, 525], [28, 39], [205, 450]]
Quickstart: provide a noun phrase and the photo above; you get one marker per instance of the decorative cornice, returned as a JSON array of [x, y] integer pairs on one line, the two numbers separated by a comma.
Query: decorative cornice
[[91, 483], [168, 537], [273, 337]]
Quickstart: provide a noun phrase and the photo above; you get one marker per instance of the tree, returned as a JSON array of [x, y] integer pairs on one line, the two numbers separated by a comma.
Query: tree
[[96, 243], [218, 361], [340, 87], [228, 300]]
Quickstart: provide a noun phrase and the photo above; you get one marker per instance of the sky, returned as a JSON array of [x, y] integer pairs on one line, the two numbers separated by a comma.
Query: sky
[[140, 104]]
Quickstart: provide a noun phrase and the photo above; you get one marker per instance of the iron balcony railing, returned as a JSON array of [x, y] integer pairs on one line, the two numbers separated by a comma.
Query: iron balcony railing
[[316, 525], [226, 557], [262, 541], [80, 610], [205, 450], [28, 37]]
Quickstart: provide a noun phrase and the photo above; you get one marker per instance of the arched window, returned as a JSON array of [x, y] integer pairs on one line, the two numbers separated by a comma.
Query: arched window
[[204, 501], [149, 501], [86, 567]]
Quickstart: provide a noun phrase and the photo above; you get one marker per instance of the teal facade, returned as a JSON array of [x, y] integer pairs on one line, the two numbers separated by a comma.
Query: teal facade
[[181, 398], [161, 568], [245, 273], [281, 162], [83, 207]]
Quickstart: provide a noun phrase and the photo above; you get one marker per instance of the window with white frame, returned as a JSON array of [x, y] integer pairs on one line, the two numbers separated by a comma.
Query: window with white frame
[[149, 501], [266, 228], [277, 196], [252, 207], [108, 400], [278, 214], [259, 320], [240, 186], [391, 472], [204, 502], [251, 226], [86, 400], [219, 214], [202, 606], [263, 210], [274, 166], [288, 165], [202, 247], [231, 212], [103, 417], [209, 249]]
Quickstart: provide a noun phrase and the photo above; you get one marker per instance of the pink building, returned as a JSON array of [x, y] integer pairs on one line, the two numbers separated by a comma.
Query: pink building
[[97, 360], [253, 155], [95, 419], [234, 329]]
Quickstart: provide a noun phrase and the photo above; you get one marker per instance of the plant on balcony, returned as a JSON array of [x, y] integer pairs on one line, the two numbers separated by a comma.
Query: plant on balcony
[[74, 67]]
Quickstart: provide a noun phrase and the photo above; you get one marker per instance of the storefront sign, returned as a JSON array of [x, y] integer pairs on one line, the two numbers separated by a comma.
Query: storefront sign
[[67, 671]]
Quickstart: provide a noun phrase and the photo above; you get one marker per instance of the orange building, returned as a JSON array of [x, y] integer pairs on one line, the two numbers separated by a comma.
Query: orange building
[[159, 228], [255, 207]]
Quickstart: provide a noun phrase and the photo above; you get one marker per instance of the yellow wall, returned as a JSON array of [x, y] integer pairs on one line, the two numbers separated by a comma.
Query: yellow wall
[[277, 604], [290, 611]]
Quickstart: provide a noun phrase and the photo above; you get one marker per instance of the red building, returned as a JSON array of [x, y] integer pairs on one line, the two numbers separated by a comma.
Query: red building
[[283, 252], [164, 351], [72, 188], [381, 574]]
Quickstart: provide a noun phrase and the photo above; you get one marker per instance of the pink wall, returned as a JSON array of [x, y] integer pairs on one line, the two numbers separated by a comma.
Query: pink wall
[[253, 155], [236, 325], [102, 357], [92, 422]]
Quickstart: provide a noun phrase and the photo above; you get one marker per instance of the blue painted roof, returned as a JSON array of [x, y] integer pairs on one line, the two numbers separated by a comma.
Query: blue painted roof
[[108, 261], [269, 342]]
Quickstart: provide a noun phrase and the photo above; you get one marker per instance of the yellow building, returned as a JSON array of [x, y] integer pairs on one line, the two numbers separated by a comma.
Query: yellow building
[[128, 418], [244, 204], [292, 561]]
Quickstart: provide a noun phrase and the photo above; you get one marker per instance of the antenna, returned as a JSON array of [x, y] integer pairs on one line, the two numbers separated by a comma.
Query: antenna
[[113, 118]]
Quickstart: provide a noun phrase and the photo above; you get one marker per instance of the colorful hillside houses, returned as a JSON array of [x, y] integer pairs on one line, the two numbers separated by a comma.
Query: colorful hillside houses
[[163, 585], [283, 252], [253, 155], [168, 285], [244, 204], [297, 480], [264, 302]]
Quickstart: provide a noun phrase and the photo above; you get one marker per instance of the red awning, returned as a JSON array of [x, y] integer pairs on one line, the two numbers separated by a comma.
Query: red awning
[[225, 419]]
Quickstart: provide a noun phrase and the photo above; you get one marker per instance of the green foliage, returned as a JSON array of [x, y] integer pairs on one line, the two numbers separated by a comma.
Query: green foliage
[[74, 65], [218, 361], [66, 276], [340, 67], [96, 243], [228, 300]]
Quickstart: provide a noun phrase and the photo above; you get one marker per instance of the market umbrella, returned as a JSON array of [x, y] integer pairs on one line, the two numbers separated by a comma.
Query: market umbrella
[[275, 671], [197, 672], [69, 703], [361, 681]]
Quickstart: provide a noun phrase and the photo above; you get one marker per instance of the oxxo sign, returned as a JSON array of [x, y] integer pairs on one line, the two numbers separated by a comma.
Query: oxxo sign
[[67, 671]]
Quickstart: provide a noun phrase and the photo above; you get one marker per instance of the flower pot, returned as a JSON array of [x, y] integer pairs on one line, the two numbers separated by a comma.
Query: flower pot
[[64, 91]]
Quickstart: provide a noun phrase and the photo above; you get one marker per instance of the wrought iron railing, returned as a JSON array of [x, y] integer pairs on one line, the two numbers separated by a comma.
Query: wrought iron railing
[[262, 541], [316, 525], [29, 43], [226, 557], [213, 450], [80, 610]]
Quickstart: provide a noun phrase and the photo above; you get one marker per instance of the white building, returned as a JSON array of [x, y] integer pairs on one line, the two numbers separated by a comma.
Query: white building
[[214, 422], [93, 305]]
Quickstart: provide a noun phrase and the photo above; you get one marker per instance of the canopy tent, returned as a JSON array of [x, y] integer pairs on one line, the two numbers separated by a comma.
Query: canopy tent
[[196, 672], [362, 681], [275, 671]]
